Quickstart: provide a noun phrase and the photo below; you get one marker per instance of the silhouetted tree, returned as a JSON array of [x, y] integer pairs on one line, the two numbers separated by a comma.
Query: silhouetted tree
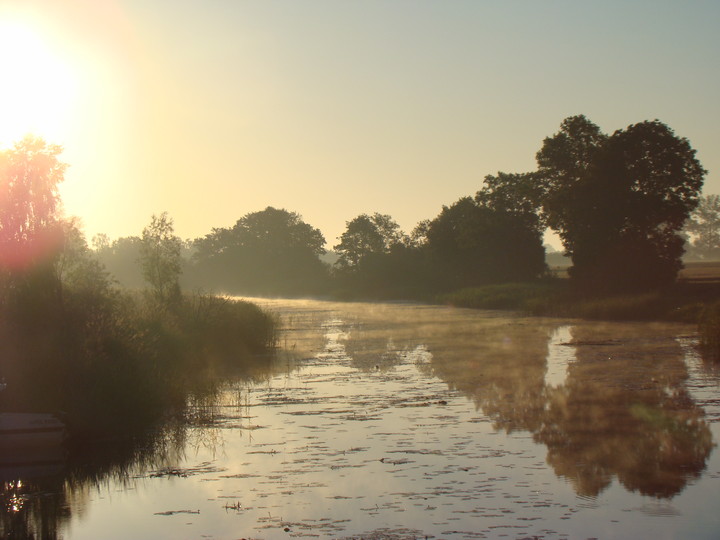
[[160, 259], [268, 252], [377, 259], [619, 202], [513, 193], [704, 226], [367, 235], [470, 244]]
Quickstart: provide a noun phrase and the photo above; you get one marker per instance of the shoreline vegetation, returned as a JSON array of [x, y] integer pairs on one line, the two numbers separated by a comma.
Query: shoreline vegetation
[[114, 364], [108, 336]]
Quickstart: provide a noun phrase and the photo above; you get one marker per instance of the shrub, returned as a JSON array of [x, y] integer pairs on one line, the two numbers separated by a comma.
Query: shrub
[[113, 363], [514, 296]]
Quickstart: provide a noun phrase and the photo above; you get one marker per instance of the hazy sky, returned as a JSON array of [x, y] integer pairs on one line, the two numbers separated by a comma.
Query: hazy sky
[[212, 109]]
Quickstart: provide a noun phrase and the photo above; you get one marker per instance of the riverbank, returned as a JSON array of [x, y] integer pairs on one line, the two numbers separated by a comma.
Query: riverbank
[[555, 298], [695, 301], [379, 418], [113, 363]]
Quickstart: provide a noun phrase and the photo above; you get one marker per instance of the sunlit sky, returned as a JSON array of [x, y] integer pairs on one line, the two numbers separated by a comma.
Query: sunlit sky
[[212, 109]]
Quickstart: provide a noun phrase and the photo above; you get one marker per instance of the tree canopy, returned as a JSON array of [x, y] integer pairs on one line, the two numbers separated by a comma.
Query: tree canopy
[[619, 202], [268, 252], [29, 203], [366, 235], [471, 243], [160, 259]]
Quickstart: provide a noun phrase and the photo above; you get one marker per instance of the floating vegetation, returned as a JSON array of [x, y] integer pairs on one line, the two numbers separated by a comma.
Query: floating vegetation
[[184, 472], [174, 512], [472, 443]]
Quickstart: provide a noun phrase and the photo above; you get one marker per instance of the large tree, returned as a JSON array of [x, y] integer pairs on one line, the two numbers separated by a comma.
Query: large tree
[[366, 235], [268, 252], [619, 202], [160, 259], [30, 228], [471, 243]]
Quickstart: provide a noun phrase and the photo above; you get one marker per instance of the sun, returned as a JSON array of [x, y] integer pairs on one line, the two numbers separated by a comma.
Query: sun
[[37, 89]]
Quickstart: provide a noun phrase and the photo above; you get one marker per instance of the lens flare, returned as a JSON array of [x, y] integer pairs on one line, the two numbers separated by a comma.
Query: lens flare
[[37, 88]]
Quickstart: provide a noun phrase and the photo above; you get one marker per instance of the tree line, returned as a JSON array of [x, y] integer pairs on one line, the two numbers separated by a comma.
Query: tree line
[[619, 202], [115, 362]]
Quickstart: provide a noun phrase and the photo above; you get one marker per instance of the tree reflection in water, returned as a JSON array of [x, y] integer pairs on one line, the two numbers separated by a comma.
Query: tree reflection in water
[[623, 410], [42, 494], [40, 497]]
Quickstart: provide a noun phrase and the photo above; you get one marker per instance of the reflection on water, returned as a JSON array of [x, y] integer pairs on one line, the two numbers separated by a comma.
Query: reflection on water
[[403, 421], [42, 489], [561, 353], [625, 412]]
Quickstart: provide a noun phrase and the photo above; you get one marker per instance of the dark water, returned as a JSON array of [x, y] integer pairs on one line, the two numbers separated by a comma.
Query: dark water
[[405, 421]]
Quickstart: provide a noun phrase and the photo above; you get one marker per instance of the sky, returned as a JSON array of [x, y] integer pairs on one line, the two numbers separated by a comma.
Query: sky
[[212, 109]]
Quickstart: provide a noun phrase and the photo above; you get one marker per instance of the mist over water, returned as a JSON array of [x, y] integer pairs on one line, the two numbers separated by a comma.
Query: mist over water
[[405, 421]]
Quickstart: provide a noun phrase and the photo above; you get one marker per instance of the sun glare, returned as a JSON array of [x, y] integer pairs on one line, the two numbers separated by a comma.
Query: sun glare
[[37, 90]]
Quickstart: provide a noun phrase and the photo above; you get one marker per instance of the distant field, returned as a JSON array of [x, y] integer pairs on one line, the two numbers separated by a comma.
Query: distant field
[[693, 271], [701, 271]]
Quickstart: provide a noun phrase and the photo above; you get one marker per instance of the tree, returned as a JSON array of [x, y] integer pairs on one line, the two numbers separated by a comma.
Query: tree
[[101, 242], [704, 226], [268, 252], [120, 257], [160, 259], [471, 244], [619, 202], [516, 194], [29, 203], [365, 235]]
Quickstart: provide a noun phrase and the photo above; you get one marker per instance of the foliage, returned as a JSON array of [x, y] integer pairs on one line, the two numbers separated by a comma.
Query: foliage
[[400, 274], [704, 226], [516, 194], [71, 341], [29, 176], [513, 296], [366, 235], [471, 243], [618, 202], [268, 252], [160, 260], [120, 258]]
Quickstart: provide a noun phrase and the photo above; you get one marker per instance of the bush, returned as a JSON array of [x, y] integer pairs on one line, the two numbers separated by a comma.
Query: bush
[[112, 361], [513, 296]]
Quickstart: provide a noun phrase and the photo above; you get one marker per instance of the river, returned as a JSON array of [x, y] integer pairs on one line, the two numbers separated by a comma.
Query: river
[[415, 421]]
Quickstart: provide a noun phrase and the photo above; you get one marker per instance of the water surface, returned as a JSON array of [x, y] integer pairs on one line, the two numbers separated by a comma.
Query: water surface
[[411, 421]]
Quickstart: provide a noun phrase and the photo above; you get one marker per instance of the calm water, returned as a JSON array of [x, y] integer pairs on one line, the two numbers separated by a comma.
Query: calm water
[[405, 421]]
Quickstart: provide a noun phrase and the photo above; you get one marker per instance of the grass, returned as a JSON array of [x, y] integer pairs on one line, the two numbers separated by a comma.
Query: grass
[[116, 364], [701, 271], [555, 298], [511, 296]]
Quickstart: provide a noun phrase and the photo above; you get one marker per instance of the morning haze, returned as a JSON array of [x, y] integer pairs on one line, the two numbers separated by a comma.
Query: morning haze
[[214, 111], [277, 269]]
